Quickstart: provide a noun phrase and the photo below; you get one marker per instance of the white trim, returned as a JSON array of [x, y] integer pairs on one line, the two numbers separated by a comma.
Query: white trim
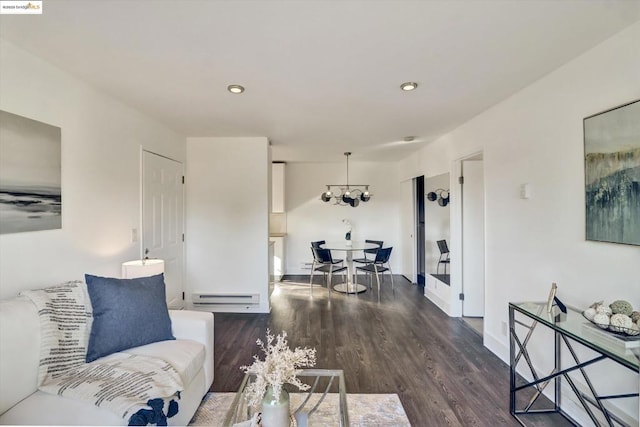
[[442, 304]]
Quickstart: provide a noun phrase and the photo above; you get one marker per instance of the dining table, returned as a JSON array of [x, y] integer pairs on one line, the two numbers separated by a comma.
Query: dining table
[[349, 247]]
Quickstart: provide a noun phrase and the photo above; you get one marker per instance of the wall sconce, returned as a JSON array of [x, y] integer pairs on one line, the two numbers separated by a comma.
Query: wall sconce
[[441, 195], [142, 268]]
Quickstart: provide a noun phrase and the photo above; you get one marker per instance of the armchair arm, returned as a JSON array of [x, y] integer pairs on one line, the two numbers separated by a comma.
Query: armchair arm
[[196, 326]]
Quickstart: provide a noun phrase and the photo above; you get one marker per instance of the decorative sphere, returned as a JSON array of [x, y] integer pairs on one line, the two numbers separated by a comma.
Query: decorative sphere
[[325, 197], [601, 320], [620, 322], [621, 307], [365, 197], [432, 196], [590, 313]]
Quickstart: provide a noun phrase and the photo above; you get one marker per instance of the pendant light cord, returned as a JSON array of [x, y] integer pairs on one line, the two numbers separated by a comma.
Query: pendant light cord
[[347, 154]]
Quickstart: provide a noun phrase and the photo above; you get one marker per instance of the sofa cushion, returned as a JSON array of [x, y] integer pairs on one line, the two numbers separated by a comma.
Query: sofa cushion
[[127, 313], [186, 356]]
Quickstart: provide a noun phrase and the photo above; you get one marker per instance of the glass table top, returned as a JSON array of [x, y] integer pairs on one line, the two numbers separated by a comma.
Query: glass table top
[[343, 246], [576, 326], [325, 403]]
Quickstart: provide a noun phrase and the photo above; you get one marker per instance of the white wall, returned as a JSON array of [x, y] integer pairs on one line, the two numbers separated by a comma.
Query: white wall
[[309, 218], [227, 239], [101, 140], [536, 137]]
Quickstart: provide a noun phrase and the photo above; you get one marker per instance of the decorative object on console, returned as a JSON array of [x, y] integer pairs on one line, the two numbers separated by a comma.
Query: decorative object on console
[[440, 195], [612, 175], [349, 194], [279, 366], [552, 296], [30, 175], [618, 317], [554, 301], [142, 268]]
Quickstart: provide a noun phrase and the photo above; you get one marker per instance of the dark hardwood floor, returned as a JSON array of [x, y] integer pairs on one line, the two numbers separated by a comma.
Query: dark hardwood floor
[[403, 344]]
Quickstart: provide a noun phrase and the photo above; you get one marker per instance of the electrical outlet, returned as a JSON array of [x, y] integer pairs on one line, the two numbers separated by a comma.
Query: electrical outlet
[[134, 235], [504, 329]]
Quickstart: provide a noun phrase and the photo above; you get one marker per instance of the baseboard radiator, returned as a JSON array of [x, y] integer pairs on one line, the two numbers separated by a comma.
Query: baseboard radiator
[[208, 301]]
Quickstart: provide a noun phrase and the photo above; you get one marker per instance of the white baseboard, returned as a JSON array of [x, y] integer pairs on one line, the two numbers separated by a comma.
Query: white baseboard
[[442, 304], [496, 346]]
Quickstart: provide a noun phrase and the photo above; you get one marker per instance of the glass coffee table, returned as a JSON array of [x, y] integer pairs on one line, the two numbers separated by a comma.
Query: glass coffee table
[[324, 404]]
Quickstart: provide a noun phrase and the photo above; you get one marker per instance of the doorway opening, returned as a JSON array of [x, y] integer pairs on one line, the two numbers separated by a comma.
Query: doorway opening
[[420, 227]]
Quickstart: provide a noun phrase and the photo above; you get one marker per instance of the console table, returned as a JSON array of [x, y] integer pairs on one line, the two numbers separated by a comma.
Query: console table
[[568, 329]]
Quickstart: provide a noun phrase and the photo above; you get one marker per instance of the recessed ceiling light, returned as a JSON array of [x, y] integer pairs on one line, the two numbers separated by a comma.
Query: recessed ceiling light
[[235, 89], [407, 86]]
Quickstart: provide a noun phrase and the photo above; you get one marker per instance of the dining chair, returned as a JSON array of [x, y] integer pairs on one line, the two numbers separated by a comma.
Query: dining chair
[[378, 266], [372, 252], [319, 243], [444, 256], [323, 262]]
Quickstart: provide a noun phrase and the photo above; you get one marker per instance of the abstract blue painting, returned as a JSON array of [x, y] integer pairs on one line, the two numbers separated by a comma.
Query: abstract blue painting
[[30, 175], [612, 175]]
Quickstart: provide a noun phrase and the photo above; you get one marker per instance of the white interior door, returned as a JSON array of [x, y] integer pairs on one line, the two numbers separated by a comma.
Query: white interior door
[[408, 229], [163, 219], [473, 238]]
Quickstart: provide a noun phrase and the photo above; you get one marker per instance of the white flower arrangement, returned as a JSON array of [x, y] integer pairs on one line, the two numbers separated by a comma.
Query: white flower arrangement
[[279, 366]]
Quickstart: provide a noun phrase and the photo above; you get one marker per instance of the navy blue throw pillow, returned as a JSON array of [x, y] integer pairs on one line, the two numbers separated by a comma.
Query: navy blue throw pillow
[[127, 313]]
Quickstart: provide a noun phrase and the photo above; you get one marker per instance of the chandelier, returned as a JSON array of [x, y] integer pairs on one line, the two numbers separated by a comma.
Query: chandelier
[[346, 194]]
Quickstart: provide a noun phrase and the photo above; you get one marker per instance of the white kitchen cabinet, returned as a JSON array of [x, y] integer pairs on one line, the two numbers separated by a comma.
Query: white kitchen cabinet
[[277, 187]]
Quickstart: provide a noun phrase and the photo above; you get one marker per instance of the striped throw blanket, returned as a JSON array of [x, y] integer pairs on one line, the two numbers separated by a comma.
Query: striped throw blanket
[[141, 389]]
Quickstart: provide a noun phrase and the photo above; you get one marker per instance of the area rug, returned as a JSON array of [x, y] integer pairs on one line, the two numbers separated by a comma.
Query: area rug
[[380, 410]]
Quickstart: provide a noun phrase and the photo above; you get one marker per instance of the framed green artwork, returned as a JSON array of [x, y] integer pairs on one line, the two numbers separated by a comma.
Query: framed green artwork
[[612, 175]]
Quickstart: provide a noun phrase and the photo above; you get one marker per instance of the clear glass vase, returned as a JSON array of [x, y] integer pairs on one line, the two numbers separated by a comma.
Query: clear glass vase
[[275, 412]]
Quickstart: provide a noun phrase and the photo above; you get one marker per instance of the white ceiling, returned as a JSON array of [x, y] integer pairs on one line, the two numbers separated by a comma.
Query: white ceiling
[[321, 77]]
